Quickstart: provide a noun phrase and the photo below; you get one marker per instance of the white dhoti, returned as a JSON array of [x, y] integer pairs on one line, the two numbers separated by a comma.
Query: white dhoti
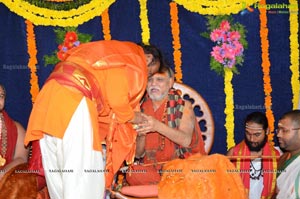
[[73, 170], [288, 181]]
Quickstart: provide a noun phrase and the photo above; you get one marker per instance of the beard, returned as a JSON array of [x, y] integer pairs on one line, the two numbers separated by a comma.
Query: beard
[[257, 147], [156, 97]]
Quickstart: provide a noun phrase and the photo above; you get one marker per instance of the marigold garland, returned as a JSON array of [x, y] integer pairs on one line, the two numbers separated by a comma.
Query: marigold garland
[[144, 22], [106, 25], [176, 41], [229, 107], [216, 7], [74, 17], [294, 56], [32, 52], [266, 68], [63, 18]]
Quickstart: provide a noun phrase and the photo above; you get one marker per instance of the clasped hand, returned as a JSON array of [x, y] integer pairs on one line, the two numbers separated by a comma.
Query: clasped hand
[[148, 124]]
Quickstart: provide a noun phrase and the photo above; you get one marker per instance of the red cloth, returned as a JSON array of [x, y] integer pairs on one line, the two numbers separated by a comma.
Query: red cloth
[[12, 135], [35, 164], [270, 165]]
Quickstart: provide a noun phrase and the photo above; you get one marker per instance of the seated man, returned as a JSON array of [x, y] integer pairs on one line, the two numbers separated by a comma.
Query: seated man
[[12, 136], [288, 177], [258, 172], [170, 131], [13, 155]]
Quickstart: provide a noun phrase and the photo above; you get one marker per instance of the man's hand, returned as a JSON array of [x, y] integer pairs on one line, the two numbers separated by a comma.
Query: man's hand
[[150, 124], [139, 118]]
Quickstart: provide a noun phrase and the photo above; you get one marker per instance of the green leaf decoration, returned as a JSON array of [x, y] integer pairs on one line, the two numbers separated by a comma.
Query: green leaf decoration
[[50, 59], [67, 5], [84, 38], [61, 34]]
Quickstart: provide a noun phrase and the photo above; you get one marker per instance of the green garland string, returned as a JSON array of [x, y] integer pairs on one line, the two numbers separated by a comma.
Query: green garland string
[[68, 5]]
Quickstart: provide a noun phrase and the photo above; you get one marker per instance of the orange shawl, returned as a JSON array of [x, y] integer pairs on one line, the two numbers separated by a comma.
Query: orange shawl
[[201, 177]]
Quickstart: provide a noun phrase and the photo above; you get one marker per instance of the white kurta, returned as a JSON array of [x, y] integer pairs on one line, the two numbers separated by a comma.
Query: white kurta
[[257, 185], [73, 170]]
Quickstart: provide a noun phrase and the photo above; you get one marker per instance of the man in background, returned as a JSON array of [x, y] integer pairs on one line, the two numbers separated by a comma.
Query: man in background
[[288, 176], [256, 157], [13, 154], [12, 133]]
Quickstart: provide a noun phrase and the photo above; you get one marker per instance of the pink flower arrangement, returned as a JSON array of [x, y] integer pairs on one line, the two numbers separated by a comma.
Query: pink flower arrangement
[[228, 46]]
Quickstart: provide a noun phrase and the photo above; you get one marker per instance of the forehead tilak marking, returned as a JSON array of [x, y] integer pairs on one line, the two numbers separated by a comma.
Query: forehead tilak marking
[[253, 128]]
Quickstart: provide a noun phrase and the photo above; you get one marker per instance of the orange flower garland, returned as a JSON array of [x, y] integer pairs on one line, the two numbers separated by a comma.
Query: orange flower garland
[[266, 75], [106, 25], [32, 51], [176, 41], [266, 68]]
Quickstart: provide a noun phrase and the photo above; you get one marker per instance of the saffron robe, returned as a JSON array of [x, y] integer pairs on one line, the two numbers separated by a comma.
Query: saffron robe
[[269, 167], [161, 149], [119, 74], [170, 117]]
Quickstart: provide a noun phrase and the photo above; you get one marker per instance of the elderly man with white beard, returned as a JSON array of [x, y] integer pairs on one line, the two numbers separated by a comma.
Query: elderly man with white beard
[[170, 131]]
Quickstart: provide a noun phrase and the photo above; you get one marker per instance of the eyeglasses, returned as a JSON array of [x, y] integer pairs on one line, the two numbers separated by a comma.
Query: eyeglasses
[[285, 130]]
